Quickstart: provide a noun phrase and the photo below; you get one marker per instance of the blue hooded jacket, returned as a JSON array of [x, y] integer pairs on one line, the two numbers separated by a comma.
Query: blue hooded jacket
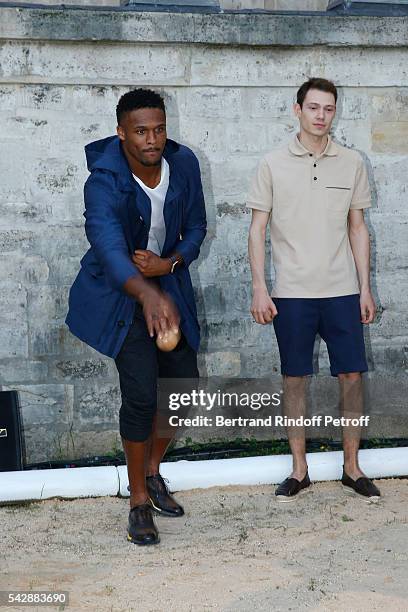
[[118, 213]]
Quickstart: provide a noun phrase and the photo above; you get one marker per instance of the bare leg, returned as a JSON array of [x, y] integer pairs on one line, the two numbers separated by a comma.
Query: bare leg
[[157, 447], [351, 406], [294, 406], [135, 459]]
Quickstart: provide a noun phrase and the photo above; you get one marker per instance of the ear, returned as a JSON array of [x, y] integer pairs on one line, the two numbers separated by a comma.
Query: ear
[[297, 109], [120, 132]]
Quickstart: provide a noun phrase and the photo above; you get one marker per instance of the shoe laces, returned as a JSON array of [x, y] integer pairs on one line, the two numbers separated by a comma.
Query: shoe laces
[[162, 482]]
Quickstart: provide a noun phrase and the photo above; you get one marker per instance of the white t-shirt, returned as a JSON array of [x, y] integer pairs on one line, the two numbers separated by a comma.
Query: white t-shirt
[[157, 233]]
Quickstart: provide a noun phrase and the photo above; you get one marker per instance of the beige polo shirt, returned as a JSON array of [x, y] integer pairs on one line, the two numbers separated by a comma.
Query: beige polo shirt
[[308, 197]]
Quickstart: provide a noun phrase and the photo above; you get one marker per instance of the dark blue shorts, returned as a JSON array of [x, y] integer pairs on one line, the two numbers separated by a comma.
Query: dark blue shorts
[[338, 322]]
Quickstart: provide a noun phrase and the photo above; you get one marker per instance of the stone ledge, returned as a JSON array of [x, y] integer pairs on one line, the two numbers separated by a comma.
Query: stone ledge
[[251, 28]]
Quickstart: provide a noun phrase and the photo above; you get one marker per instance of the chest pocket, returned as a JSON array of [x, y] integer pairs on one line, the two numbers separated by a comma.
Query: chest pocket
[[338, 198]]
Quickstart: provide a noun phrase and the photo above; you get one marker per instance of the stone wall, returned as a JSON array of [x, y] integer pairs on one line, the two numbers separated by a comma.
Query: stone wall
[[229, 82], [271, 5]]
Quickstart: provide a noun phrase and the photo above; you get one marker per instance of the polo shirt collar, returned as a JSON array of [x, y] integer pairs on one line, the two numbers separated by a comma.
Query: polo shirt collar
[[296, 147]]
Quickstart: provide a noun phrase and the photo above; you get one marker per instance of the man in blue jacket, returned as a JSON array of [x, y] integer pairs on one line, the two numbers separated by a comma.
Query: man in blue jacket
[[145, 222]]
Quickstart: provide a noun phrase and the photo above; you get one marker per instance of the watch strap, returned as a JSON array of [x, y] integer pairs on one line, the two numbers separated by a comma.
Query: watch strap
[[174, 261]]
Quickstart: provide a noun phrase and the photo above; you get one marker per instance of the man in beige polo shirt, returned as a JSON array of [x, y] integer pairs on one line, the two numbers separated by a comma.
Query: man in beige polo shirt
[[313, 191]]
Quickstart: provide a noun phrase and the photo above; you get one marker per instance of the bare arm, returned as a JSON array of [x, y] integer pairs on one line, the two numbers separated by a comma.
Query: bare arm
[[360, 246], [263, 309]]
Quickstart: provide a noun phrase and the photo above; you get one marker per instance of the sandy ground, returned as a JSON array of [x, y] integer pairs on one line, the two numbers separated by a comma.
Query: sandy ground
[[236, 549]]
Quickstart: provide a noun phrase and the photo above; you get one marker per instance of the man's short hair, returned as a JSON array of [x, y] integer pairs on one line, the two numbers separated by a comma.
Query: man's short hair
[[138, 98], [313, 83]]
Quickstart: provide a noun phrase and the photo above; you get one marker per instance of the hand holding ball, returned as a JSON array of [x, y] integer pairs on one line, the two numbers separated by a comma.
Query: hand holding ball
[[168, 341]]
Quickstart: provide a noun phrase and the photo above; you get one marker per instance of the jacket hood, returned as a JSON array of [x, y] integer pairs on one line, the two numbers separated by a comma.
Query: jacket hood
[[107, 154]]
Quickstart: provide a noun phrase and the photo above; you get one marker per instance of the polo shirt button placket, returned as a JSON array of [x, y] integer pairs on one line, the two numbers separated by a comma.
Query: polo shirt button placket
[[314, 166]]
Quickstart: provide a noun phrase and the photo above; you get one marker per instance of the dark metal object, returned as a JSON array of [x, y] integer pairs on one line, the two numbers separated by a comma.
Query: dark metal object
[[11, 443]]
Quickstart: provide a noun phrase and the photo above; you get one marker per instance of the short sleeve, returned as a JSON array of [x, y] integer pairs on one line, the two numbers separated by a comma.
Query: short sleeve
[[361, 194], [260, 192]]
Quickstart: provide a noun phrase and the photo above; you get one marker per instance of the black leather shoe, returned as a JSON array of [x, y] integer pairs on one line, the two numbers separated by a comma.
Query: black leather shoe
[[163, 503], [141, 528], [363, 486], [290, 487]]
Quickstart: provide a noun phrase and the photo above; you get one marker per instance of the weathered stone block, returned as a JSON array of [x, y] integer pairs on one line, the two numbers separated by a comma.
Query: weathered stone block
[[222, 363], [71, 347], [353, 134], [12, 184], [233, 334], [96, 101], [390, 185], [249, 67], [353, 67], [43, 97], [47, 308], [8, 97], [389, 104], [45, 404], [252, 137], [386, 231], [26, 269], [64, 268], [232, 180], [210, 299], [69, 442], [391, 293], [97, 405], [208, 137], [210, 103], [15, 240], [389, 359], [261, 363], [13, 322], [268, 102], [49, 302], [25, 126], [23, 371], [81, 64], [390, 137], [79, 369], [353, 103], [54, 176], [58, 253], [238, 299], [19, 214], [232, 261]]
